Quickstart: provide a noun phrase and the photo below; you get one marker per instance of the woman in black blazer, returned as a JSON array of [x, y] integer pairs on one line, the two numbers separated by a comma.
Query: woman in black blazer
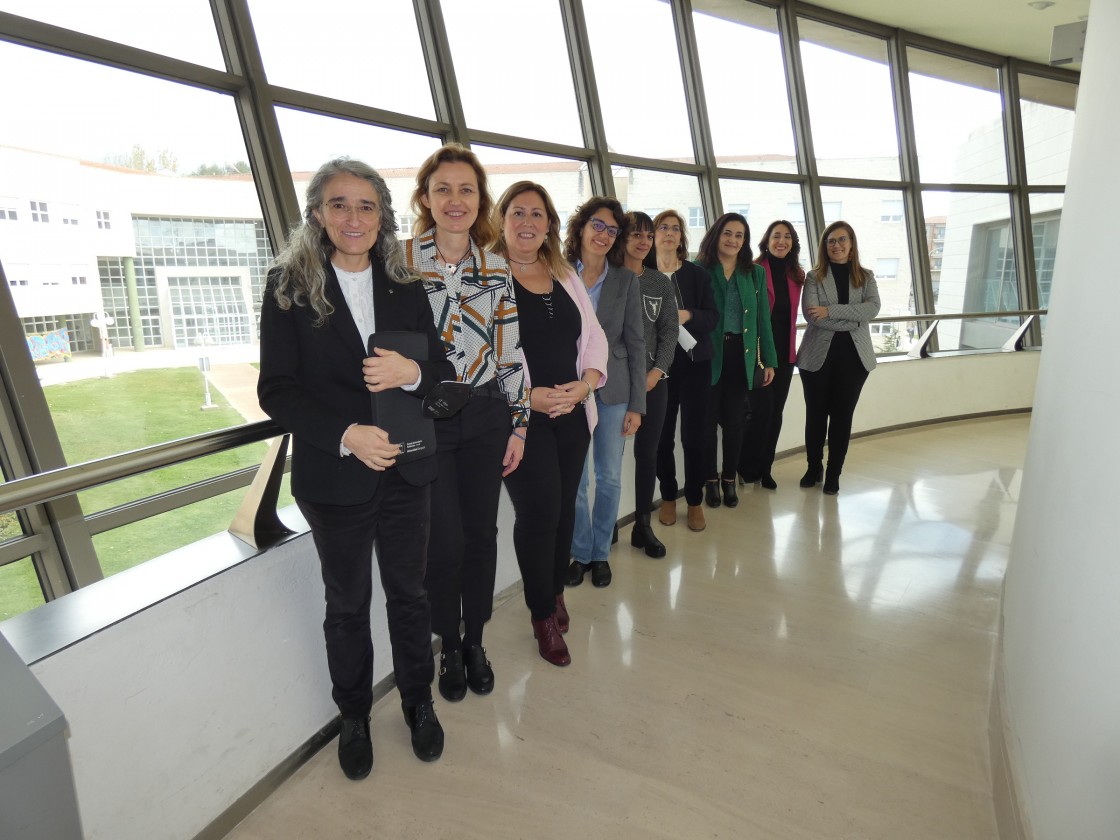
[[340, 278], [690, 377]]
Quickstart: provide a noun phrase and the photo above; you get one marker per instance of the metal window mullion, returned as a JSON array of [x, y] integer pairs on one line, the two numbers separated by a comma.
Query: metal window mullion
[[256, 113], [441, 69], [587, 96], [921, 280], [1021, 228], [790, 40], [696, 102]]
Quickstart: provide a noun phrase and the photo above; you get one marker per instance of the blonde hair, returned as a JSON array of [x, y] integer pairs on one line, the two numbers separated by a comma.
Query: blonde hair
[[482, 231], [551, 250], [820, 269]]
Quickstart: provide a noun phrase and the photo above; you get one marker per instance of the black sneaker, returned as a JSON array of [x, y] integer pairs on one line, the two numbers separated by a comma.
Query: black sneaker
[[355, 750], [427, 734], [452, 680]]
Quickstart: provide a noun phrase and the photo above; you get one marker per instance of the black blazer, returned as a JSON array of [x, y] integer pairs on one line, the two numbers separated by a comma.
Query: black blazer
[[311, 383], [695, 288]]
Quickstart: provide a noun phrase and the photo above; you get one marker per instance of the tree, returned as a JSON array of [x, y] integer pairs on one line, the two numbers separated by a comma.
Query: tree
[[213, 170], [164, 160]]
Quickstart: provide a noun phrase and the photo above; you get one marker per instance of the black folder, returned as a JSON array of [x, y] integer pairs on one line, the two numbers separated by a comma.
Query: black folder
[[399, 412]]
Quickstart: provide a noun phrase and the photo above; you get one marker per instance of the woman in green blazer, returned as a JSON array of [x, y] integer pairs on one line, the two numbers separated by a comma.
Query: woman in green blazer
[[744, 345]]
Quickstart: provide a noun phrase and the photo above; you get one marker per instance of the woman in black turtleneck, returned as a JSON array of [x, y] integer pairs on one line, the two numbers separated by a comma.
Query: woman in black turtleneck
[[779, 251], [840, 299]]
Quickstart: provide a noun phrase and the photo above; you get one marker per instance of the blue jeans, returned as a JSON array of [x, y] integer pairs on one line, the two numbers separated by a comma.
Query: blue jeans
[[595, 527]]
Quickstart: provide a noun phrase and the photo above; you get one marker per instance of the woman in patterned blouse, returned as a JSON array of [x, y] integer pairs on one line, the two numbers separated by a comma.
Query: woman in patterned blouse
[[472, 300]]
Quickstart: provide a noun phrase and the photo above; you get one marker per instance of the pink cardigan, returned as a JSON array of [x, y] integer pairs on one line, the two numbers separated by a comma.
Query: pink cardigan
[[592, 347], [794, 304]]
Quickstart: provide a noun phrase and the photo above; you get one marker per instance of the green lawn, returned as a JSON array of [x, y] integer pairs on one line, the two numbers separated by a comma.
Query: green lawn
[[100, 417]]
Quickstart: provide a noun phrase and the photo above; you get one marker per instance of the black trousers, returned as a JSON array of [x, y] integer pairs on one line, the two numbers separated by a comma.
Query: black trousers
[[727, 408], [764, 424], [543, 491], [646, 442], [831, 394], [463, 548], [395, 520], [689, 389]]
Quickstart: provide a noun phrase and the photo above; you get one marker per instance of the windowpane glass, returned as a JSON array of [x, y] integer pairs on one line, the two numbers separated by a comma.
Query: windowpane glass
[[978, 271], [725, 34], [545, 109], [301, 52], [1046, 216], [19, 588], [651, 192], [641, 92], [766, 202], [565, 180], [851, 108], [168, 217], [881, 243], [1047, 109], [185, 28], [969, 147]]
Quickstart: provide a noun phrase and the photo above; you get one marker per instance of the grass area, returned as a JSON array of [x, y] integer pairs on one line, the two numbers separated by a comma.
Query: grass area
[[100, 417]]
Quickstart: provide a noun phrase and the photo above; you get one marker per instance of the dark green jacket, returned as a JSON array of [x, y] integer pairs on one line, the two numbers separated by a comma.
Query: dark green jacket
[[757, 333]]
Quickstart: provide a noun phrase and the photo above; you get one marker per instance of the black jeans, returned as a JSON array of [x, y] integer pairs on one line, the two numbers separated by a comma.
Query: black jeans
[[463, 549], [831, 394], [727, 409], [646, 442], [396, 521], [543, 491], [689, 388], [764, 424]]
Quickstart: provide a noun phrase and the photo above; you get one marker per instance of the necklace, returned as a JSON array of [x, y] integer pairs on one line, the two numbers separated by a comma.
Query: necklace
[[526, 264], [447, 262]]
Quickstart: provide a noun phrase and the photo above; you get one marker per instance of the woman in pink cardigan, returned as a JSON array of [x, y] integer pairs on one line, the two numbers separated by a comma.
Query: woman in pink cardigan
[[779, 251], [565, 355]]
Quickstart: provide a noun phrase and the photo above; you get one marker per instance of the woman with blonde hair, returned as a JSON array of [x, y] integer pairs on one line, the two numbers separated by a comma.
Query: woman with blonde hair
[[836, 354], [472, 300], [565, 353]]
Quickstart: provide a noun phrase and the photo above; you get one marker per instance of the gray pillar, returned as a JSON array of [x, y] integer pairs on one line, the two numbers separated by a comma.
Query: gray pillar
[[135, 324]]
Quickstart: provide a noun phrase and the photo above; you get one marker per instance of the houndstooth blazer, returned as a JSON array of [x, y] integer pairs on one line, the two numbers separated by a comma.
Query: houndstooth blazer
[[852, 317]]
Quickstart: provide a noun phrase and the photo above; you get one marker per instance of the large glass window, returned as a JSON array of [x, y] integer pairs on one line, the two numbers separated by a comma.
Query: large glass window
[[1046, 217], [541, 103], [300, 50], [184, 28], [739, 52], [767, 201], [638, 74], [1047, 110], [958, 120], [566, 181], [851, 108], [978, 271], [19, 588]]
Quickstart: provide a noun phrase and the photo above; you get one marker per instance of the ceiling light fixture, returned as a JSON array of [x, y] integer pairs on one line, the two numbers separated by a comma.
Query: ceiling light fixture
[[1041, 5]]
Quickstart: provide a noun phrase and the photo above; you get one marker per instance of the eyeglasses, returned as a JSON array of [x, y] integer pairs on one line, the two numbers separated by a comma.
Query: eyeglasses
[[598, 225], [342, 210], [839, 240], [668, 228]]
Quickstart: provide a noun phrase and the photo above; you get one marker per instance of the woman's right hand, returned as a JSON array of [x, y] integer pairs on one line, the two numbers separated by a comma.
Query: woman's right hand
[[370, 445], [559, 399]]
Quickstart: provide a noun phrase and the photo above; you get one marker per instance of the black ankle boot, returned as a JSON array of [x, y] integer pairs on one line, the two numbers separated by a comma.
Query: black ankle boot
[[643, 537], [812, 475], [730, 498], [711, 494], [831, 481]]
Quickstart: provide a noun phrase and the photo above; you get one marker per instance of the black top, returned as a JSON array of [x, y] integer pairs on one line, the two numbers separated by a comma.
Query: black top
[[781, 318], [840, 273], [550, 325]]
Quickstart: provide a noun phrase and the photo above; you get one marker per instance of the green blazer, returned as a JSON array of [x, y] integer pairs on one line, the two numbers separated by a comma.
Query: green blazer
[[757, 332]]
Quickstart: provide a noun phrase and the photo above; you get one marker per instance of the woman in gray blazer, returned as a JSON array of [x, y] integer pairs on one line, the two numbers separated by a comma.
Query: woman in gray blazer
[[595, 245], [839, 300]]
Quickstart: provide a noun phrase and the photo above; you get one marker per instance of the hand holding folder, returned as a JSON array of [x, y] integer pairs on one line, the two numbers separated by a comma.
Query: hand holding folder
[[397, 411]]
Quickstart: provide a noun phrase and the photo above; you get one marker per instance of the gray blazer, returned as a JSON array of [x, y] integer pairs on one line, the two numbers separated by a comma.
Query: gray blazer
[[620, 314], [851, 317]]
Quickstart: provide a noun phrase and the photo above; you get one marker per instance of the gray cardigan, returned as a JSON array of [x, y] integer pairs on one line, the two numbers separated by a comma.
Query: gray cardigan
[[851, 317], [620, 314], [660, 319]]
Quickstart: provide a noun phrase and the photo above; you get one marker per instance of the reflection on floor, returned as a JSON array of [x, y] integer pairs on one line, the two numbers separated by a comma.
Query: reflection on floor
[[808, 667]]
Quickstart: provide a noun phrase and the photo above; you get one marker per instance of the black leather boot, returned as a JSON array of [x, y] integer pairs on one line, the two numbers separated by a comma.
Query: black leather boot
[[812, 475], [643, 537], [831, 481], [711, 494], [730, 497]]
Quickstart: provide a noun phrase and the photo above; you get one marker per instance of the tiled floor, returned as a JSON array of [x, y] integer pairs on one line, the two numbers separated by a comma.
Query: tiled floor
[[808, 667]]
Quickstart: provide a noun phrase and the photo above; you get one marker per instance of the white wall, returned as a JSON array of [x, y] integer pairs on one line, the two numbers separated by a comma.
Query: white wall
[[1061, 616]]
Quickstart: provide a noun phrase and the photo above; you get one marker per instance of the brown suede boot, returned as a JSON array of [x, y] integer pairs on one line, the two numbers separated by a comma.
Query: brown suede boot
[[668, 513], [696, 518]]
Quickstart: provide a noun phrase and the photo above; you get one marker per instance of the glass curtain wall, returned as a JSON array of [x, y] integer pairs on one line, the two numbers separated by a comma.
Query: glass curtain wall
[[148, 175]]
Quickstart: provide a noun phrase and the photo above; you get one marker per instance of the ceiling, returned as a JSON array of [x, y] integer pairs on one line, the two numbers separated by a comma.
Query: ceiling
[[1004, 27]]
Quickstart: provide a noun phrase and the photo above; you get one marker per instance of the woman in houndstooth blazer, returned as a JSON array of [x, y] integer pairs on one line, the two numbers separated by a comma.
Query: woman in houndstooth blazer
[[839, 300]]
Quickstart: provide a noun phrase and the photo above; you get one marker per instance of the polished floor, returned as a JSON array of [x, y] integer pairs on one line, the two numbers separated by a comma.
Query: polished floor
[[808, 667]]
